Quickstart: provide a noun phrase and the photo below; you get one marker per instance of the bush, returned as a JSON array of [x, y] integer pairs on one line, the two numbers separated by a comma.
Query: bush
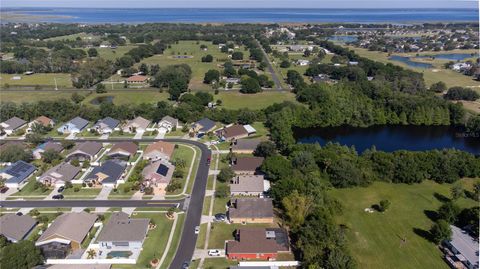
[[127, 189], [76, 189], [174, 185], [226, 174], [222, 191], [384, 205]]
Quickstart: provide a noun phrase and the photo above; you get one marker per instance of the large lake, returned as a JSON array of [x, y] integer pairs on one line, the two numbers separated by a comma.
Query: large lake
[[392, 137]]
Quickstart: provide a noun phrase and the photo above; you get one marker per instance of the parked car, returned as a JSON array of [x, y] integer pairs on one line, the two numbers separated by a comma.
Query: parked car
[[208, 160], [57, 197], [61, 189], [4, 189], [214, 252], [197, 229], [19, 214], [220, 217], [185, 265]]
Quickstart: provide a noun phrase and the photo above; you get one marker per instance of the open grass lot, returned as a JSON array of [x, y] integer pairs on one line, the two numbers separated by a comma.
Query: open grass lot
[[431, 75], [375, 239], [191, 48], [218, 263], [43, 80], [73, 37], [112, 54], [237, 100], [175, 241], [130, 96]]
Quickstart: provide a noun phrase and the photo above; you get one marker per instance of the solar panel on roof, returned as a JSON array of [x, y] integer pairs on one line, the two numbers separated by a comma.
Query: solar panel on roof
[[162, 170]]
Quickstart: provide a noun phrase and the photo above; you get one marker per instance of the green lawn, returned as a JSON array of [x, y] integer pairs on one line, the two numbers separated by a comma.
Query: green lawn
[[237, 100], [130, 96], [29, 190], [43, 80], [375, 239], [120, 193], [112, 54], [175, 241], [185, 153], [72, 37], [218, 263], [81, 192]]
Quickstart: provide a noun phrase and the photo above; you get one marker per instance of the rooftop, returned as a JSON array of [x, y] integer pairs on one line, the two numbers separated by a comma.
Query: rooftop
[[16, 227], [206, 124], [246, 144], [161, 146], [122, 228], [109, 172], [19, 171], [125, 146], [247, 164], [71, 226], [78, 122], [252, 208], [259, 240], [89, 147], [63, 172], [14, 123], [233, 131], [247, 184], [108, 121], [465, 244]]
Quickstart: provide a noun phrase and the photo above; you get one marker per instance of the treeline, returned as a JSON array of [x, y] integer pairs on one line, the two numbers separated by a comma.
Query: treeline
[[460, 93]]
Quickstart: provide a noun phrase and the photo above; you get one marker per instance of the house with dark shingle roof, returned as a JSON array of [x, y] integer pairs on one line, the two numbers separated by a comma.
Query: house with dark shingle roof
[[85, 151], [251, 210], [12, 125], [106, 125], [76, 125], [109, 173], [258, 243], [203, 126], [60, 174], [233, 132], [247, 165], [123, 233], [245, 146], [16, 174], [16, 228]]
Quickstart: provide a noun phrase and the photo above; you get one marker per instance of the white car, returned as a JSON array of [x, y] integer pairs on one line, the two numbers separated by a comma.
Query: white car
[[197, 229], [214, 252]]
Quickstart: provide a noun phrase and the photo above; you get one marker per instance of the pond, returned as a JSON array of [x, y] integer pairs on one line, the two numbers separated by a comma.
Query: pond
[[450, 56], [393, 137], [409, 62], [102, 99], [343, 38]]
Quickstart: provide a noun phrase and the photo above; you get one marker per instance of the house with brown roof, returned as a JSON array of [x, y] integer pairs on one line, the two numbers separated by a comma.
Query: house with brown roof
[[258, 243], [233, 132], [123, 150], [60, 174], [16, 228], [251, 210], [137, 79], [136, 125], [247, 165], [248, 185], [85, 151], [43, 121], [245, 146], [160, 150], [65, 234]]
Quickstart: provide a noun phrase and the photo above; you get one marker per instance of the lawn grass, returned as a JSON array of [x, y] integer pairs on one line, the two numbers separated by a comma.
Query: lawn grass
[[112, 54], [72, 37], [43, 80], [81, 192], [131, 96], [175, 241], [29, 190], [201, 236], [120, 193], [185, 153], [218, 263], [375, 239], [237, 100]]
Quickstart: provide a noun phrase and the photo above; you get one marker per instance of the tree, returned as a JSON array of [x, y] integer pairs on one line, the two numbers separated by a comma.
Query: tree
[[13, 153], [440, 231], [21, 255], [276, 167], [384, 205], [285, 64], [226, 174], [246, 116], [100, 88], [77, 98], [223, 191], [67, 144], [92, 52], [211, 76], [143, 68], [438, 87], [265, 149], [457, 191], [34, 138], [50, 155], [177, 87], [448, 211], [91, 253], [207, 58], [297, 208], [237, 55], [250, 85]]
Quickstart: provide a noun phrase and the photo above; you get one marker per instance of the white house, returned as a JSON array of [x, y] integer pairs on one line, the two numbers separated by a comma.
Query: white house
[[167, 124]]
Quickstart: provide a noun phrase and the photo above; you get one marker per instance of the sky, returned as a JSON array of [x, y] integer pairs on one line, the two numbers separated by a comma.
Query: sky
[[244, 3]]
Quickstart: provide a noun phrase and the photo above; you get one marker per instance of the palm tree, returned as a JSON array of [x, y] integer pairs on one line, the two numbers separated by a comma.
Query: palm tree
[[91, 253]]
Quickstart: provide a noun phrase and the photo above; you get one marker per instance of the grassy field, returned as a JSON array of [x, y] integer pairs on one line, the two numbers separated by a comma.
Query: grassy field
[[72, 37], [375, 239], [431, 75], [112, 54], [29, 190], [43, 80], [131, 96], [236, 100], [191, 48]]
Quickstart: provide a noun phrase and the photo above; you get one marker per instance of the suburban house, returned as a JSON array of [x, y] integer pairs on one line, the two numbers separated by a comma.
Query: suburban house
[[159, 151], [203, 126], [43, 121], [233, 132], [462, 250], [109, 173], [76, 125], [85, 151], [106, 125], [123, 233], [168, 123], [123, 150], [248, 185], [47, 146], [137, 79], [12, 125], [16, 228], [247, 165], [16, 174], [302, 62], [59, 174], [158, 174], [136, 125], [245, 146], [65, 234], [251, 210], [258, 243]]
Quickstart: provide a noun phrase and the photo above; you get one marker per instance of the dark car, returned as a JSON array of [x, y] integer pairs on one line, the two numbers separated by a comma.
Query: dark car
[[19, 214], [61, 189], [57, 197], [185, 265], [208, 160], [3, 189], [220, 217]]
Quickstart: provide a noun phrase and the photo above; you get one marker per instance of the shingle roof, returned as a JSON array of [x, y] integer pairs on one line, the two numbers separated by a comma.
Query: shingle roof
[[206, 123], [63, 172], [246, 144], [72, 226], [254, 240], [89, 147], [14, 123], [16, 227], [233, 131], [122, 228], [138, 122], [252, 208], [79, 122], [45, 121], [55, 146], [161, 146], [19, 171], [108, 121], [110, 171], [247, 164], [171, 120], [126, 146], [247, 184], [159, 171]]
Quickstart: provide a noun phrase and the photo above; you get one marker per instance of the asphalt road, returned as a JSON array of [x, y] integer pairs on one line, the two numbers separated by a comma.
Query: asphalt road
[[275, 78], [194, 211]]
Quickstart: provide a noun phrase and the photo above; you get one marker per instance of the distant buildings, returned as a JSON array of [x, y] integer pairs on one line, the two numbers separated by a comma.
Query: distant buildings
[[462, 250]]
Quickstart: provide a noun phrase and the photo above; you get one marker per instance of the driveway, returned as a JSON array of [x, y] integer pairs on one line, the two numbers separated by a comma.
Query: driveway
[[103, 195], [104, 136], [3, 196], [71, 136], [161, 133], [138, 135], [52, 193]]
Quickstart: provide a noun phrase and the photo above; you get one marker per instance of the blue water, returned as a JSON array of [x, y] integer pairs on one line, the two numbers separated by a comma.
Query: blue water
[[343, 38], [393, 137], [409, 62], [450, 56], [135, 15]]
